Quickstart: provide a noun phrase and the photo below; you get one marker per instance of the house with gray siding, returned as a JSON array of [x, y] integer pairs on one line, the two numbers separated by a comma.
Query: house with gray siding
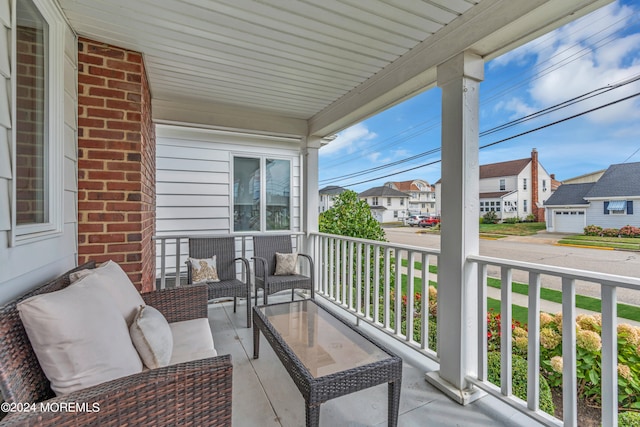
[[609, 202]]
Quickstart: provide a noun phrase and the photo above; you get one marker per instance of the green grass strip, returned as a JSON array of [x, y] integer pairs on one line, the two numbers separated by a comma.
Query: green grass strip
[[634, 246], [518, 312], [587, 303]]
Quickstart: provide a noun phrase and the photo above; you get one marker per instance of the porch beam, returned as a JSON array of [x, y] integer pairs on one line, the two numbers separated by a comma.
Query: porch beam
[[459, 79]]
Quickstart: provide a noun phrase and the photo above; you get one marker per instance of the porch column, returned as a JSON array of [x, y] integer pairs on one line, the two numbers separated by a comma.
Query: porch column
[[310, 195], [459, 79]]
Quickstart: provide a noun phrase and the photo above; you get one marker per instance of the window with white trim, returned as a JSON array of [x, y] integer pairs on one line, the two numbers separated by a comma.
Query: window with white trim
[[38, 115], [261, 194], [374, 202], [503, 185]]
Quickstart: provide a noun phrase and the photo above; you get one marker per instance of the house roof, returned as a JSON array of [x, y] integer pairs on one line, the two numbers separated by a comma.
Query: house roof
[[382, 192], [621, 180], [408, 185], [304, 68], [495, 194], [332, 189], [508, 168], [569, 194]]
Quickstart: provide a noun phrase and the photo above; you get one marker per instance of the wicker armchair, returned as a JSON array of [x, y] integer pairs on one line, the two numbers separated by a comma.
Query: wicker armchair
[[191, 393], [264, 250], [224, 249]]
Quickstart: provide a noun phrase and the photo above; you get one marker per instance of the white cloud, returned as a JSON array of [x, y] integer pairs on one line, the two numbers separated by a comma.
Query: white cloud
[[577, 58], [349, 140]]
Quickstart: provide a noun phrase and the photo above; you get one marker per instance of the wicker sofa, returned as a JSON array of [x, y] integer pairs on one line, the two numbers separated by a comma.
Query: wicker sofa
[[192, 393]]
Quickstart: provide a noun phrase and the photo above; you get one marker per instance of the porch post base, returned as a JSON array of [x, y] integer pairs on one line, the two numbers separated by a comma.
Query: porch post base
[[463, 397]]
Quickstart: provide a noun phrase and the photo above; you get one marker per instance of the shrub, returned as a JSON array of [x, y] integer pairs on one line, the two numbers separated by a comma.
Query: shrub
[[610, 232], [530, 218], [593, 230], [519, 382], [630, 231], [629, 419], [512, 220], [490, 218]]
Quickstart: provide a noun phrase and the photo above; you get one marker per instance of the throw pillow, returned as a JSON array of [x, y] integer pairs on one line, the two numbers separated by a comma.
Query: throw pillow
[[286, 264], [204, 270], [151, 335], [79, 336], [115, 281]]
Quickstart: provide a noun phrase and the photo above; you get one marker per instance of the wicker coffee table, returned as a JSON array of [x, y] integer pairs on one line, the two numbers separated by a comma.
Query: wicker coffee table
[[326, 356]]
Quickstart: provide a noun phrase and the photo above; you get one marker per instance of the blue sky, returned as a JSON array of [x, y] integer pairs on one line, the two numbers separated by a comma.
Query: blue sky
[[600, 49]]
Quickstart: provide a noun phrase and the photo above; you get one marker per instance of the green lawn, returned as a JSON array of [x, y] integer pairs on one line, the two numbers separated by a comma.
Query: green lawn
[[588, 303], [519, 229], [629, 243]]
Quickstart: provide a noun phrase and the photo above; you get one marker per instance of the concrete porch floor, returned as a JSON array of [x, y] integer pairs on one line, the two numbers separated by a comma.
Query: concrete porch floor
[[264, 394]]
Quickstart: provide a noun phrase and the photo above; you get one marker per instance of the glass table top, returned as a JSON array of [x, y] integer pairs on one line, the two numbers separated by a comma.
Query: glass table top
[[323, 343]]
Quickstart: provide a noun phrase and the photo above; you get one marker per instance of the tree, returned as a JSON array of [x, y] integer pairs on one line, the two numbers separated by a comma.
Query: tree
[[352, 218]]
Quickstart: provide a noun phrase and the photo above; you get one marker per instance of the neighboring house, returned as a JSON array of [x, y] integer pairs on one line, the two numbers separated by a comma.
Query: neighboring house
[[328, 195], [515, 188], [613, 201], [588, 177], [386, 204], [422, 195]]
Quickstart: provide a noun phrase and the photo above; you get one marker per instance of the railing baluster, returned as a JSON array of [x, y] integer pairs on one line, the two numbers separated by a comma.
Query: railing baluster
[[163, 267], [367, 281], [482, 322], [376, 284], [177, 281], [569, 377], [350, 281], [424, 306], [326, 274], [343, 278], [332, 265], [359, 278], [387, 284], [505, 337], [533, 356], [397, 321], [410, 295], [609, 357]]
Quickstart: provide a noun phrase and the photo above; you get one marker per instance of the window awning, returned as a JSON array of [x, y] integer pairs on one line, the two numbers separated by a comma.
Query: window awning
[[617, 205]]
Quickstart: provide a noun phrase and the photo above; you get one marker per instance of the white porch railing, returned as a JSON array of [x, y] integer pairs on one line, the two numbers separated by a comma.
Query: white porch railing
[[347, 269]]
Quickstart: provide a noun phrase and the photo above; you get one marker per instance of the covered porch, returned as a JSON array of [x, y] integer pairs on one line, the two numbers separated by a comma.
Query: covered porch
[[279, 79]]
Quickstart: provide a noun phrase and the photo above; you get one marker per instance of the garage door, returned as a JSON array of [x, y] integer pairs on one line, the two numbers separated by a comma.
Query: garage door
[[569, 221]]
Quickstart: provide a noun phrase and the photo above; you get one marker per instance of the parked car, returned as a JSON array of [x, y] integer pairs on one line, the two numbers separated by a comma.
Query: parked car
[[414, 220], [429, 221]]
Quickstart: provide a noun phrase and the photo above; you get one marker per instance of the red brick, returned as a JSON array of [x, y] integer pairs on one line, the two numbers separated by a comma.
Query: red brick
[[134, 57], [106, 93], [119, 258], [135, 237], [126, 247], [106, 155], [90, 59], [124, 66], [90, 206], [133, 97], [90, 185], [133, 217], [105, 217], [93, 195], [91, 143], [123, 105], [90, 228], [106, 175], [123, 166], [112, 228], [125, 86], [134, 257], [124, 206], [90, 123], [124, 125], [106, 113], [91, 249], [90, 164], [106, 72], [134, 78], [134, 136], [107, 238], [106, 134], [92, 101], [123, 186]]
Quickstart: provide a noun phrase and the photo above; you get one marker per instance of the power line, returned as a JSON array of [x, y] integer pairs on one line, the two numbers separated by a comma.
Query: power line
[[548, 110], [506, 139]]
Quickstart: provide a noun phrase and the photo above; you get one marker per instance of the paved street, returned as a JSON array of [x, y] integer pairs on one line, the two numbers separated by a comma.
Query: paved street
[[540, 249]]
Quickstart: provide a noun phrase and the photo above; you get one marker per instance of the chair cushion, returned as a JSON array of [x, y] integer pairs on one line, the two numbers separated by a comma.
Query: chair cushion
[[115, 281], [192, 340], [79, 336], [286, 264], [151, 336], [204, 270], [77, 275]]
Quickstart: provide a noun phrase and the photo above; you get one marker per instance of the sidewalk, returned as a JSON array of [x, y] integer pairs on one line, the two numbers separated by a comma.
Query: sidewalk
[[523, 300]]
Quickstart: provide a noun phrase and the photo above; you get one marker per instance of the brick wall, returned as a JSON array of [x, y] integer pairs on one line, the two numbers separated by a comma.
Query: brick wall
[[116, 161]]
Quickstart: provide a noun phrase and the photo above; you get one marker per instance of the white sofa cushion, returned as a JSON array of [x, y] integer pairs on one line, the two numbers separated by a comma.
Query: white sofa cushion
[[115, 281], [151, 336], [79, 337], [192, 340]]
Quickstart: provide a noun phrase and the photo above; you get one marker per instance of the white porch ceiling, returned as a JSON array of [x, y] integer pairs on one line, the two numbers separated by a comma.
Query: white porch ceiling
[[304, 67]]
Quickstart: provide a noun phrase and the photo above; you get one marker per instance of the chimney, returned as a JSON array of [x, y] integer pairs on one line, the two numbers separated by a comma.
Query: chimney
[[534, 185], [553, 176]]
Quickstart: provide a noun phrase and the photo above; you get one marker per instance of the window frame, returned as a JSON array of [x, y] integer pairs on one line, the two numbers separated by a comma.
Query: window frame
[[54, 128], [503, 184], [263, 191]]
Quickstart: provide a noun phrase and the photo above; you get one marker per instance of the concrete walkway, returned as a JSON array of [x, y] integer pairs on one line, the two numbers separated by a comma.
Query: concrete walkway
[[523, 300]]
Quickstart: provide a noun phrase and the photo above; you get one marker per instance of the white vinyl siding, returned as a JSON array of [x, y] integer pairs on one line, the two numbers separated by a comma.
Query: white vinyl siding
[[32, 263], [194, 184], [596, 215]]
